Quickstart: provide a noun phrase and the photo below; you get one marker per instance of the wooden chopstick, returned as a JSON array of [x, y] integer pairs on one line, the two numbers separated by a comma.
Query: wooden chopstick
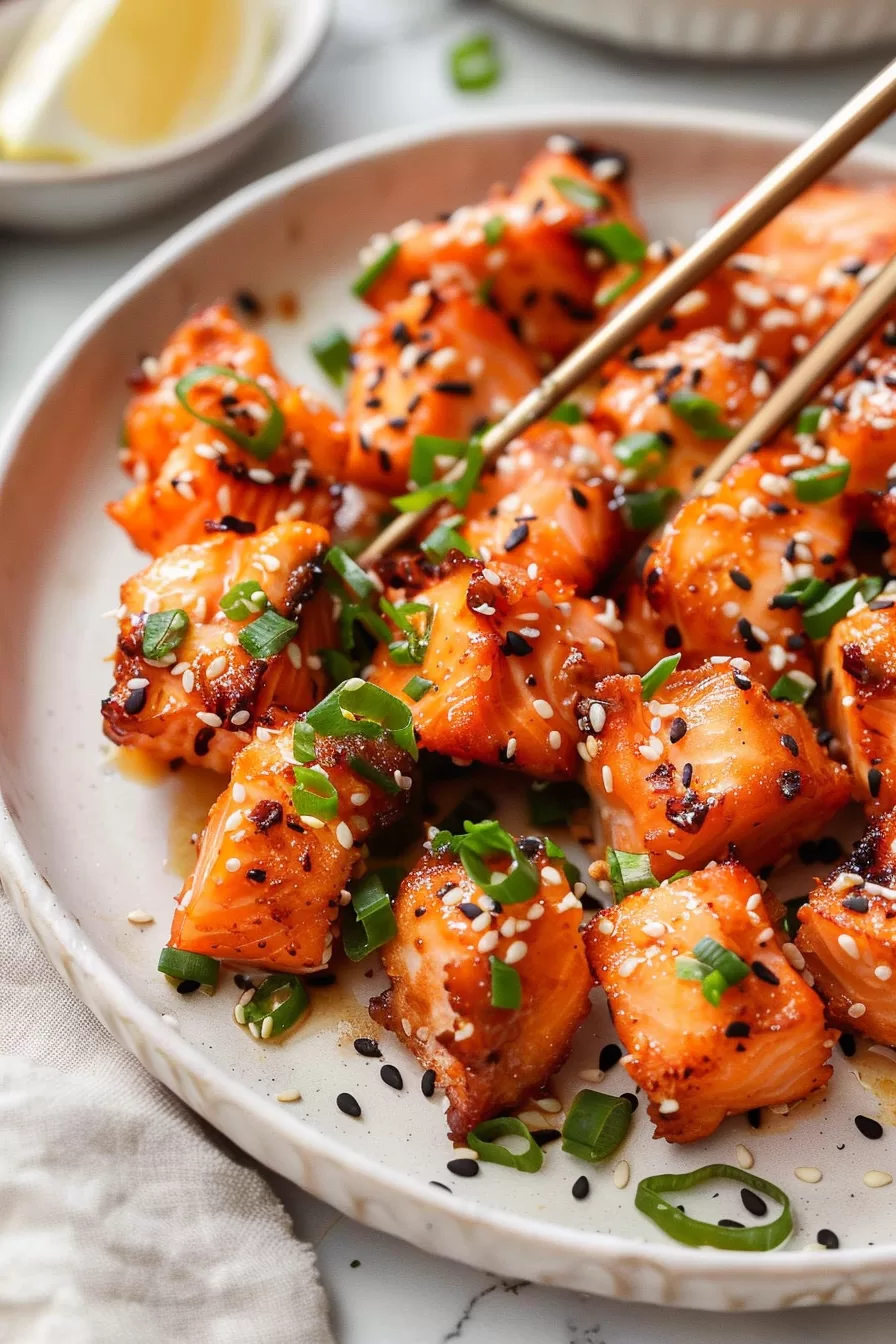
[[798, 170], [814, 369]]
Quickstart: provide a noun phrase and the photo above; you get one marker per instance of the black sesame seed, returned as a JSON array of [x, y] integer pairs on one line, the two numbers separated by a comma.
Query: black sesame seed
[[247, 302], [544, 1136], [367, 1047], [745, 630], [829, 849], [391, 1077], [828, 1239], [243, 982], [737, 1029], [470, 909], [783, 601], [729, 1222], [754, 1118], [677, 729], [581, 1188], [463, 1166], [454, 387], [776, 507], [857, 903], [875, 779], [188, 987], [428, 1083], [228, 523], [790, 743], [515, 646], [687, 772], [135, 701], [609, 1056], [740, 580], [631, 1099], [256, 874], [847, 1044], [762, 972], [348, 1105], [517, 536], [440, 1186], [753, 1203], [400, 333], [872, 1129], [578, 498], [672, 637]]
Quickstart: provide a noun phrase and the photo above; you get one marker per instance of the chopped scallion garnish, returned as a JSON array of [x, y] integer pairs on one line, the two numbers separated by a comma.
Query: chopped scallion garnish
[[578, 192], [368, 277], [615, 239], [351, 573], [605, 297], [641, 452], [595, 1125], [163, 631], [808, 419], [649, 1198], [417, 687], [445, 538], [180, 965], [494, 230], [266, 437], [793, 686], [267, 636], [282, 998], [303, 747], [643, 510], [360, 707], [507, 988], [481, 1140], [458, 492], [483, 838], [629, 873], [369, 921], [333, 352], [702, 415], [475, 64], [314, 794], [813, 485], [658, 675], [244, 600], [568, 413], [820, 618]]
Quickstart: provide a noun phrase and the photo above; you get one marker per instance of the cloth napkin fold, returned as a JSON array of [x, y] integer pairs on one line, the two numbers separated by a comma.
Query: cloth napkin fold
[[123, 1217]]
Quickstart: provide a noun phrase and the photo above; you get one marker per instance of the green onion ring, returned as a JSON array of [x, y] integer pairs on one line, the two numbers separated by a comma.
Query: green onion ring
[[595, 1125], [181, 965], [692, 1232], [360, 707], [480, 1140], [284, 1015], [369, 922], [270, 432]]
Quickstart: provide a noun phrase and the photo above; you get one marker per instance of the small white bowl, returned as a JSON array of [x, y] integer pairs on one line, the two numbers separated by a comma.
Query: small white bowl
[[61, 198]]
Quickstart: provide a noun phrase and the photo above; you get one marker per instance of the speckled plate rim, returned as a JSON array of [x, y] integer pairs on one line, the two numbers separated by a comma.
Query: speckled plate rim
[[366, 1190]]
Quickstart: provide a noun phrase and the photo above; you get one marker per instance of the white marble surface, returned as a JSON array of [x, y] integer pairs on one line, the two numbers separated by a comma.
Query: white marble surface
[[384, 66]]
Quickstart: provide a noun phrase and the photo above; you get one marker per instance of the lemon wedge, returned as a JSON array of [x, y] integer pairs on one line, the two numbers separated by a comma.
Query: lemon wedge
[[95, 80]]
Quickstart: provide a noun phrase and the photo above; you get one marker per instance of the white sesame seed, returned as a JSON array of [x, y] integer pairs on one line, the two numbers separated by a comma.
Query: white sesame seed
[[532, 1119], [605, 926], [216, 668], [551, 875], [811, 1175], [240, 717], [849, 945], [876, 1180], [489, 941], [555, 741], [846, 881], [314, 823], [883, 972], [606, 775], [481, 922], [668, 1107], [188, 680], [515, 952], [294, 654], [856, 1010], [597, 716], [744, 1157], [754, 901], [628, 966], [543, 709], [794, 956], [209, 719], [292, 1095], [141, 917], [621, 1174], [654, 928], [233, 865], [267, 1027], [344, 835]]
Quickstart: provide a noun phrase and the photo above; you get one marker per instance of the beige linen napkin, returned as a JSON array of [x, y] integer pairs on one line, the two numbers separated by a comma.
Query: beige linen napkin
[[122, 1217]]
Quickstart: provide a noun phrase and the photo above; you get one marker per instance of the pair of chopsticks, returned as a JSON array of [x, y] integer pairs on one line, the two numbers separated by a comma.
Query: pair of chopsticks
[[856, 119]]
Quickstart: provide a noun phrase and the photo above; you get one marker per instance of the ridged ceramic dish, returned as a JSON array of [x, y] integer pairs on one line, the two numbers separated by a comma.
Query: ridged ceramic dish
[[81, 844], [730, 29]]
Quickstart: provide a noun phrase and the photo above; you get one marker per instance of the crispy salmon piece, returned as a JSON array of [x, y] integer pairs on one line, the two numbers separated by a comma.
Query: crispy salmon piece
[[710, 762], [713, 585], [642, 397], [859, 422], [267, 886], [487, 1059], [848, 934], [508, 658], [432, 365], [797, 275], [765, 1042], [520, 249], [155, 422], [545, 503], [859, 684], [200, 702]]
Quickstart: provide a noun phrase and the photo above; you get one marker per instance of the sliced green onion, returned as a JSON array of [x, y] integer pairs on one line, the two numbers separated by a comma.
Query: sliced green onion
[[369, 921], [314, 794], [182, 965], [808, 418], [793, 686], [266, 438], [333, 352], [443, 539], [605, 297], [350, 572], [689, 968], [373, 775], [552, 804], [702, 415], [458, 491], [163, 631], [303, 748], [368, 277], [360, 707], [428, 447], [645, 509], [643, 453], [475, 64], [359, 613], [482, 838], [494, 230], [507, 988], [813, 485], [481, 1139], [244, 600], [568, 413], [413, 648], [808, 591], [691, 1231], [629, 873], [658, 675], [617, 240], [595, 1125], [417, 687], [579, 193], [268, 1002], [721, 958], [267, 636], [820, 618]]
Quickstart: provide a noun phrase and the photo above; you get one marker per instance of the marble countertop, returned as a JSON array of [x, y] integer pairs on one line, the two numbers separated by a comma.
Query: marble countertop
[[383, 66]]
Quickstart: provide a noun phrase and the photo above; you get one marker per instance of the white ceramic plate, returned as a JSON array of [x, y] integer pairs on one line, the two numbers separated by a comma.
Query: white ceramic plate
[[80, 844]]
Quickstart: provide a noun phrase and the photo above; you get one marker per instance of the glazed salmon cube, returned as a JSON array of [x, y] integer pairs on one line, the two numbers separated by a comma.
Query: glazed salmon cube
[[764, 1042], [545, 503], [522, 250], [432, 365], [488, 1059], [200, 701], [848, 935], [859, 683], [269, 883], [508, 658], [709, 762], [716, 583]]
